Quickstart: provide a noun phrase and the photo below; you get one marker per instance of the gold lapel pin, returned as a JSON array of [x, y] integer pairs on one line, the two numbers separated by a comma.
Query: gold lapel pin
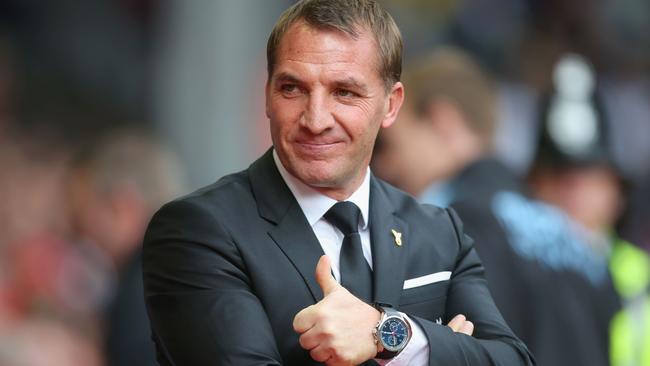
[[398, 237]]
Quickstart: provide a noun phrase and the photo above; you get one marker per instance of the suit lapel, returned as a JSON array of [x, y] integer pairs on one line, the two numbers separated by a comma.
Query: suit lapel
[[292, 232], [388, 258], [298, 242]]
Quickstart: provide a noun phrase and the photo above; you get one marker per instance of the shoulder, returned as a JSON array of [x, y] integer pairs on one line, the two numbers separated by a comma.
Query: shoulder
[[189, 238], [226, 193], [207, 211]]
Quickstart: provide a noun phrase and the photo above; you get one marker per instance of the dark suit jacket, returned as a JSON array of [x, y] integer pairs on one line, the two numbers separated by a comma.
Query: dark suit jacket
[[228, 267]]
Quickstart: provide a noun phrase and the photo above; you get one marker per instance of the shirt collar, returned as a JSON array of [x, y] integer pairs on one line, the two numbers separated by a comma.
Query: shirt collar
[[315, 204]]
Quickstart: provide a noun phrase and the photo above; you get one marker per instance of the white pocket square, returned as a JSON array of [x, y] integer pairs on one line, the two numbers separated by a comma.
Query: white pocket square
[[427, 280]]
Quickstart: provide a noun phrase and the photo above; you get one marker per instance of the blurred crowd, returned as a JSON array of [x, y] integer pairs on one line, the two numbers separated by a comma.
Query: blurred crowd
[[81, 173], [531, 119], [70, 271]]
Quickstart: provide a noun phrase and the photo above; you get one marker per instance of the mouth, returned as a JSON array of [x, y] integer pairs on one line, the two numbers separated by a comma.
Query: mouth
[[316, 147]]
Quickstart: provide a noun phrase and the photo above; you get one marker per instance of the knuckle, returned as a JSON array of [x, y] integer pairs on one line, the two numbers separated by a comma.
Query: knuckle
[[329, 355], [303, 340], [318, 355], [328, 331], [340, 354], [320, 317], [339, 359], [296, 324]]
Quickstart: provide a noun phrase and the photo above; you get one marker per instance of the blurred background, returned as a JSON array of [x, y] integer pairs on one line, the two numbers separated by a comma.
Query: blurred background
[[109, 108]]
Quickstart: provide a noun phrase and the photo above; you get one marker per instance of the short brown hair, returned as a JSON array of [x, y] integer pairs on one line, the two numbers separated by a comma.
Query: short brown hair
[[346, 16], [451, 74]]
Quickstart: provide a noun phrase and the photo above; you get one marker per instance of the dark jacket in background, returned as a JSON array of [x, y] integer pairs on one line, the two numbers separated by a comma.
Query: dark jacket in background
[[128, 333], [554, 292]]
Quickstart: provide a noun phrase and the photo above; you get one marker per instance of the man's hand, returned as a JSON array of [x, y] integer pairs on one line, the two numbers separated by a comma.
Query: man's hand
[[460, 324], [338, 329]]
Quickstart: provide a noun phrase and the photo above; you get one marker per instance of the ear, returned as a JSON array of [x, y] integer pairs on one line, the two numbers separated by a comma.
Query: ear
[[395, 100], [267, 93]]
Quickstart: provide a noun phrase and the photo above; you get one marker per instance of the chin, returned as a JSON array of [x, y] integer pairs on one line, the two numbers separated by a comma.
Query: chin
[[319, 173], [317, 178]]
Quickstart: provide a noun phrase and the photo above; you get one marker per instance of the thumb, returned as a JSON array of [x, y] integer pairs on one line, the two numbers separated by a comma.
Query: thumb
[[324, 277]]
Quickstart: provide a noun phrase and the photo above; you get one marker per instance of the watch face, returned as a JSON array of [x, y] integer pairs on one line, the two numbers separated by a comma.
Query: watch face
[[394, 334]]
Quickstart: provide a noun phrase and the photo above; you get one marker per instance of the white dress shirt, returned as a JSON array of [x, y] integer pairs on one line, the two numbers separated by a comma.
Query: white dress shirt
[[314, 205]]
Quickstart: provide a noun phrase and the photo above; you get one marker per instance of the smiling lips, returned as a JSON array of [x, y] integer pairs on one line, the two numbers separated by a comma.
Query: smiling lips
[[316, 147]]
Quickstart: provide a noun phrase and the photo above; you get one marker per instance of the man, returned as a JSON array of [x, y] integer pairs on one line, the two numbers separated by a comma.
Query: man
[[116, 185], [575, 170], [552, 289], [235, 273]]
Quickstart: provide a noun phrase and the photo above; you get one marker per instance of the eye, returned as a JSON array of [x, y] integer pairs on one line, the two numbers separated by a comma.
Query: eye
[[345, 93], [289, 89]]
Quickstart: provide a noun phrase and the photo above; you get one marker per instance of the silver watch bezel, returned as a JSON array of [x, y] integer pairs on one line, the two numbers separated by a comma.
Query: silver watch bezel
[[386, 315]]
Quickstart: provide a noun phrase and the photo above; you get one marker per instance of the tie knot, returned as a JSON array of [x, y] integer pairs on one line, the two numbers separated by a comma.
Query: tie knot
[[345, 216]]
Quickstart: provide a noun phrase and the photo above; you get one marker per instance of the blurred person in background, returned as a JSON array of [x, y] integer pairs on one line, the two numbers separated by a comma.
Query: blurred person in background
[[39, 341], [634, 225], [42, 271], [576, 171], [38, 266], [552, 290], [49, 287], [58, 68], [116, 185]]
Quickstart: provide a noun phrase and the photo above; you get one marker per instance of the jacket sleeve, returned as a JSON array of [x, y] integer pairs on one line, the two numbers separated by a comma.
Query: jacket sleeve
[[198, 294], [492, 343]]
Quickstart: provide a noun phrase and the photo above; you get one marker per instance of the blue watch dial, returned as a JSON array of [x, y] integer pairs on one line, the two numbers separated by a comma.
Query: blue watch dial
[[394, 333]]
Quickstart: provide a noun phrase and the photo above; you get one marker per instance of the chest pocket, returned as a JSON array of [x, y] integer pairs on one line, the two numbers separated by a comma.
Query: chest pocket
[[426, 301]]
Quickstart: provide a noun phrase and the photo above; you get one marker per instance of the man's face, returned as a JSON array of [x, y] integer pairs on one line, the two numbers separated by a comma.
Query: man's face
[[326, 102]]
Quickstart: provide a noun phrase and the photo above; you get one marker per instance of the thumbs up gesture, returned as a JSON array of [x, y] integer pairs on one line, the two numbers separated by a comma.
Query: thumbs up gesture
[[324, 277], [338, 329]]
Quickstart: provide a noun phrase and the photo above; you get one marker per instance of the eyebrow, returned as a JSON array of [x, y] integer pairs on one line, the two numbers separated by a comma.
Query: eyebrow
[[286, 77]]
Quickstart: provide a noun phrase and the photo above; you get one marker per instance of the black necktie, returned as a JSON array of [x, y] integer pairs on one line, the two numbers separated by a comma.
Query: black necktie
[[356, 275]]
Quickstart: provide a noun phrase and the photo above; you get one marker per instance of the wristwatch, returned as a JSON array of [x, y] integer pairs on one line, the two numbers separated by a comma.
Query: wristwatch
[[392, 332]]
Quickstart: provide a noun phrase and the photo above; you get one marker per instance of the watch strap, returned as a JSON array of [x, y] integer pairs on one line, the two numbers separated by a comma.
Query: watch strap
[[386, 354]]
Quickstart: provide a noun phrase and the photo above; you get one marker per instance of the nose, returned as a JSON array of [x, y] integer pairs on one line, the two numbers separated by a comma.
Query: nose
[[317, 116]]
